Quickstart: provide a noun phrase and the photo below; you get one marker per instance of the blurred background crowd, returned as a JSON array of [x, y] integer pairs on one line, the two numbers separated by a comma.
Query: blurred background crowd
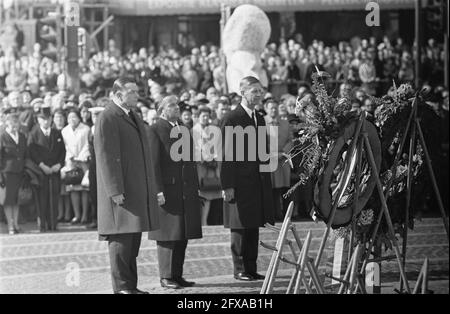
[[33, 95]]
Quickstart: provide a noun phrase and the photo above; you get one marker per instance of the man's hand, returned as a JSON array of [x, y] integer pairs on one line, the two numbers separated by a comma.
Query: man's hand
[[228, 195], [47, 170], [56, 168], [161, 199], [118, 199]]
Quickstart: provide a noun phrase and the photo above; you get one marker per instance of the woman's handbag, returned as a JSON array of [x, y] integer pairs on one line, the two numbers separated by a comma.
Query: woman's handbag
[[210, 182], [72, 177], [2, 189], [25, 194]]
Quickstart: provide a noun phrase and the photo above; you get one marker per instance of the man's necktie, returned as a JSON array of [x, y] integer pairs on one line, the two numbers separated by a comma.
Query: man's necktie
[[132, 117], [253, 119]]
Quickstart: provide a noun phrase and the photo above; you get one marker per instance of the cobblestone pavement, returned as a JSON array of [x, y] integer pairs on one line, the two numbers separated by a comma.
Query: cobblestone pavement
[[43, 263]]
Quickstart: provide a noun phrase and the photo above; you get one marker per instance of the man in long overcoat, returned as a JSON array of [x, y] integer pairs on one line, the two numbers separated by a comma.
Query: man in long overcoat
[[47, 150], [127, 204], [177, 191], [247, 190]]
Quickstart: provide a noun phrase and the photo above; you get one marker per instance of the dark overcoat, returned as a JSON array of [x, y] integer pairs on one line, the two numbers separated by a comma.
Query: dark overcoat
[[12, 163], [253, 206], [124, 167], [48, 150], [180, 216], [12, 155]]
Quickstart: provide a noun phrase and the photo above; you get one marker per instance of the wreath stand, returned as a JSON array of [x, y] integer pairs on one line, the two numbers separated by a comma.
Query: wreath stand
[[413, 127], [361, 141], [302, 260]]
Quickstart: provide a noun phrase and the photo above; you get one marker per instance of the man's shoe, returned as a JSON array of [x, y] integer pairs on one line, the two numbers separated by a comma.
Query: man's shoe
[[182, 282], [125, 292], [92, 225], [169, 284], [244, 277], [257, 276], [141, 292]]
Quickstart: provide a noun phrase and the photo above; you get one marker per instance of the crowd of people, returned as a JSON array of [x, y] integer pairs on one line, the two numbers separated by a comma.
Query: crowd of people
[[37, 110]]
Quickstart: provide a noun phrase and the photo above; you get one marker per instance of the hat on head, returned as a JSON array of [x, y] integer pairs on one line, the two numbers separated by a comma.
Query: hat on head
[[184, 107], [36, 101], [203, 101], [96, 110], [44, 113]]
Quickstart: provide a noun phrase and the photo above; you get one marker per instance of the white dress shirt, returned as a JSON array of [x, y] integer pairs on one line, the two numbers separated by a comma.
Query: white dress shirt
[[250, 113], [173, 124], [14, 136], [127, 111], [46, 132]]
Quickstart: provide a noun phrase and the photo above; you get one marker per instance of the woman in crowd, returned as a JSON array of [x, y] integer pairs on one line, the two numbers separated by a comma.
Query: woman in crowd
[[206, 137], [76, 139], [85, 113], [186, 115], [64, 206], [13, 149]]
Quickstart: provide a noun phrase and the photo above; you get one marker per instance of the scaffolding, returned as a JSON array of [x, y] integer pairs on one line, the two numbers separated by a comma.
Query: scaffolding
[[95, 17]]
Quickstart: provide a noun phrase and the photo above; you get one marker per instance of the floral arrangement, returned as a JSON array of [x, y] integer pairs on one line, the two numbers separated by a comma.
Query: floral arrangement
[[391, 117], [324, 119]]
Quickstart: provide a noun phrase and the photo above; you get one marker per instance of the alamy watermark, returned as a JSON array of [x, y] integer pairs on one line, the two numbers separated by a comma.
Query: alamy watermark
[[73, 275], [373, 18], [247, 144], [72, 14]]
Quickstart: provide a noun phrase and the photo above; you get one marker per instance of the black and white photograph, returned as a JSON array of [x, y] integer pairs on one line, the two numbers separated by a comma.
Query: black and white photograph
[[224, 153]]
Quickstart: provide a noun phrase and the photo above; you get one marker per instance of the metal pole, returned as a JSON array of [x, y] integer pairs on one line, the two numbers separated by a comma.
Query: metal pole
[[223, 21], [303, 258], [106, 30], [425, 277], [340, 194], [412, 146], [432, 177], [293, 278], [357, 191], [391, 181], [275, 260], [375, 173], [446, 32], [418, 36], [354, 269], [346, 275]]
